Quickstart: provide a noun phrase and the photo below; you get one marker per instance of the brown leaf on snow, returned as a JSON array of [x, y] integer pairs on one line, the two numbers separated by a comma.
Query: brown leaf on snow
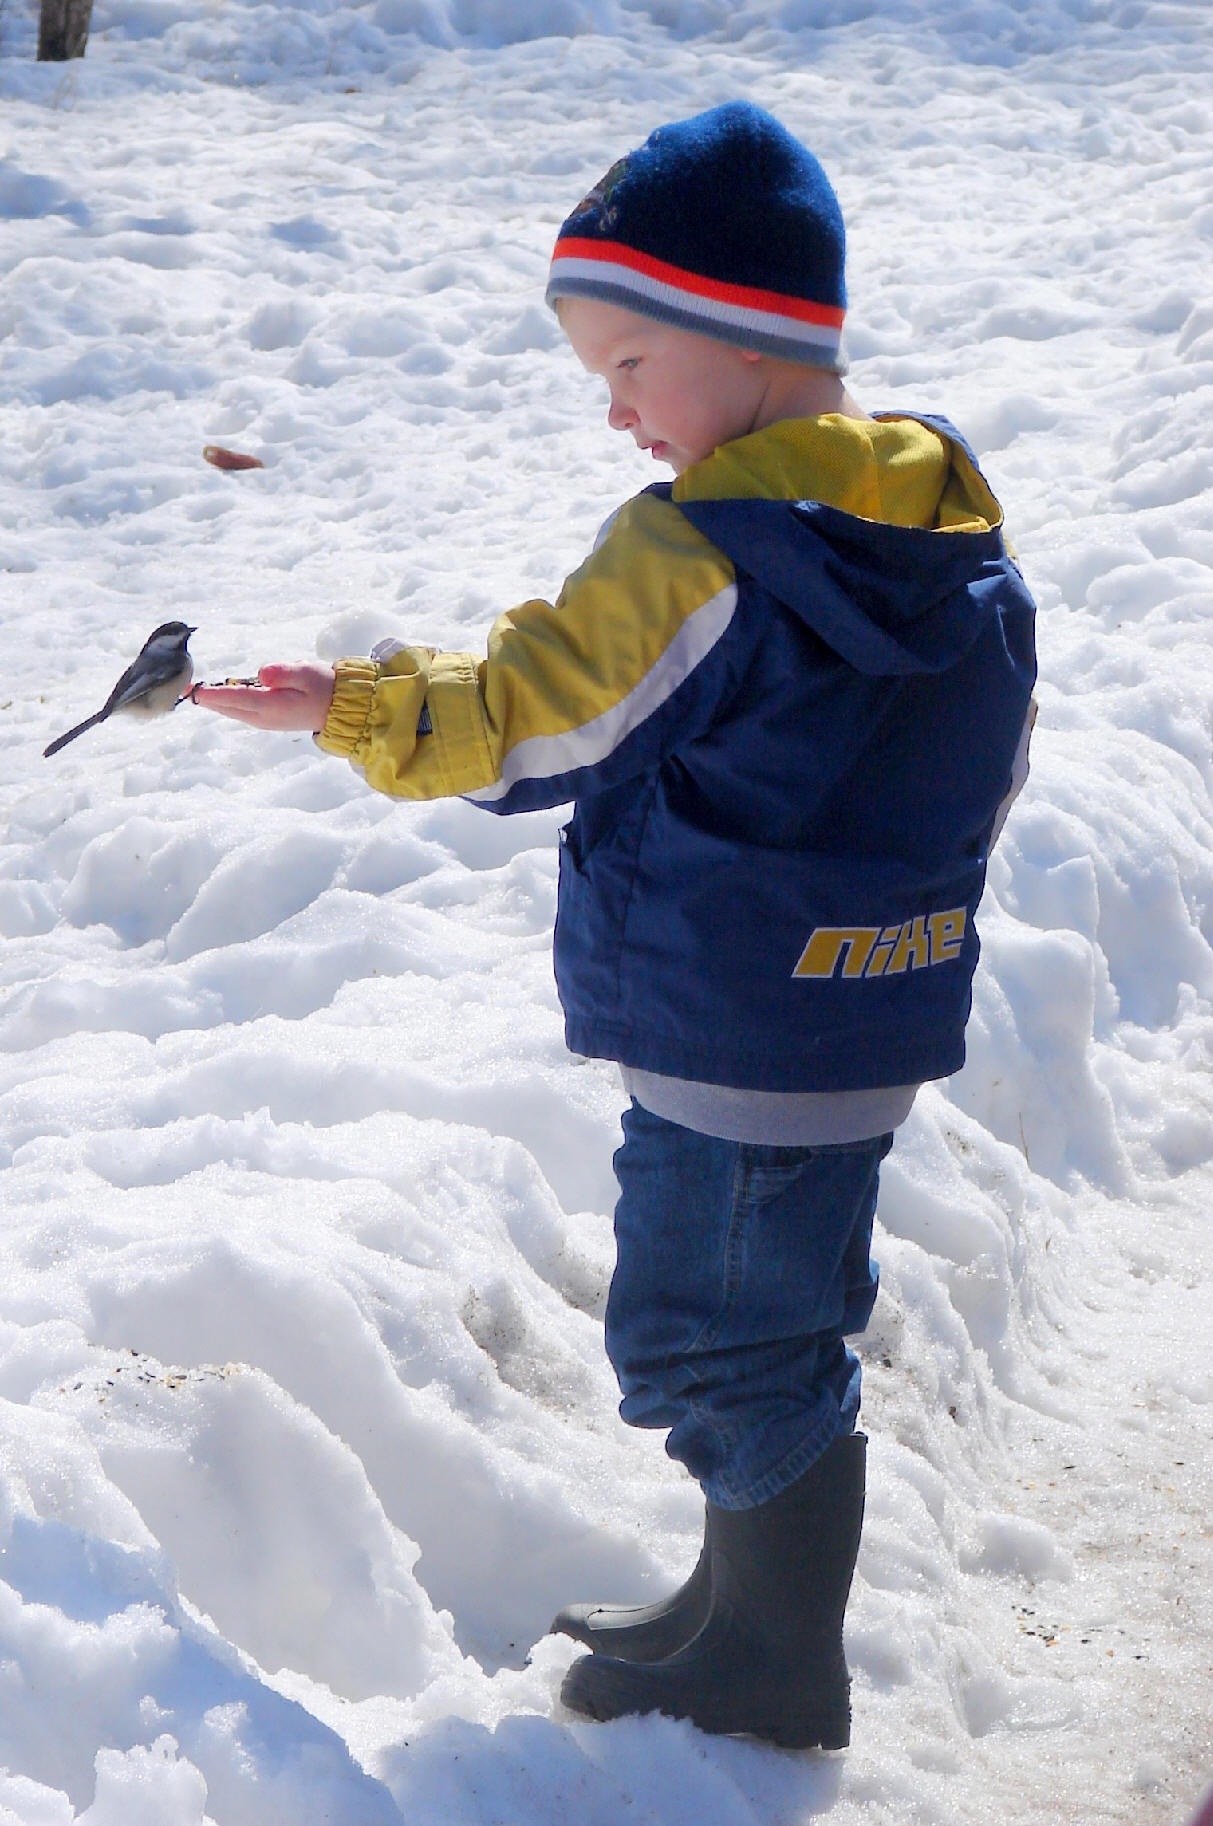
[[220, 458]]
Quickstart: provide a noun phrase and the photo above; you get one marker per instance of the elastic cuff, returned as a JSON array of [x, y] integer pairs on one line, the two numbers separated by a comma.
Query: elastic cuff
[[354, 693]]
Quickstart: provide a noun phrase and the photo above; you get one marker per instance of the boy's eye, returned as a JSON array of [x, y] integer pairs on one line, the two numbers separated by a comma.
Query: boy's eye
[[629, 362]]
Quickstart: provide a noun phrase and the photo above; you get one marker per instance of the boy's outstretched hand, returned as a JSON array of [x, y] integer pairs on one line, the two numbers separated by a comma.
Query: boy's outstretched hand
[[282, 697]]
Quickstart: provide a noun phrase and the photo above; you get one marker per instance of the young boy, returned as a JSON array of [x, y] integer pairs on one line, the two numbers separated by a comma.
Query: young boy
[[786, 695]]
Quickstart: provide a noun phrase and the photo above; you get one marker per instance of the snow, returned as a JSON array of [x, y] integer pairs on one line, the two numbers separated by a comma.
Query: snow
[[305, 1424]]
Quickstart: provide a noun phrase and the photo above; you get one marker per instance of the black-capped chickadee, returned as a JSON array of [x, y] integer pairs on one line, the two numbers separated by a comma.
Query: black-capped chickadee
[[151, 685]]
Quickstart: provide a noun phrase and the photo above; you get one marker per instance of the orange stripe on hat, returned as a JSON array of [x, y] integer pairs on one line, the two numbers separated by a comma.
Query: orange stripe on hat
[[742, 297]]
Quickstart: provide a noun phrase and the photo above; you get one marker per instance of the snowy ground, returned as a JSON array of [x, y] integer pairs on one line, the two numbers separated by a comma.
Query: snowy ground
[[304, 1419]]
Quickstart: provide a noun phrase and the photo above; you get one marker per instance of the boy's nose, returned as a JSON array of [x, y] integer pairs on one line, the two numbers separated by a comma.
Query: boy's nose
[[620, 417]]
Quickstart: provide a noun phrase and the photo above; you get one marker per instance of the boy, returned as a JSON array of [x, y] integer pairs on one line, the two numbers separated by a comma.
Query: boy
[[786, 695]]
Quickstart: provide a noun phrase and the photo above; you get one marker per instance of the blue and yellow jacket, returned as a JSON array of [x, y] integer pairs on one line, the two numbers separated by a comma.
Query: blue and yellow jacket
[[785, 695]]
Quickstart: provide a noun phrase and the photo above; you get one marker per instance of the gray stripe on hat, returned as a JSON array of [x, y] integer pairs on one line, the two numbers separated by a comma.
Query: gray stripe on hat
[[786, 347]]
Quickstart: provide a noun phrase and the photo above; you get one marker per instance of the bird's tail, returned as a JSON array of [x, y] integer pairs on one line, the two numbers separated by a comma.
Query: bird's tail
[[61, 741]]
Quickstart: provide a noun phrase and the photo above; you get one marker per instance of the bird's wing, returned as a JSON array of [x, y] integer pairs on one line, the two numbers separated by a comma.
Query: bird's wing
[[133, 683]]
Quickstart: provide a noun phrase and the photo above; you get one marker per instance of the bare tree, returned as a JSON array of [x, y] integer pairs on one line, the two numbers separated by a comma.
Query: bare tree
[[63, 29]]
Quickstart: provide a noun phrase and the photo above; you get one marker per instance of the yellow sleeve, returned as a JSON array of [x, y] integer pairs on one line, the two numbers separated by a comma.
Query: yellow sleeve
[[560, 685]]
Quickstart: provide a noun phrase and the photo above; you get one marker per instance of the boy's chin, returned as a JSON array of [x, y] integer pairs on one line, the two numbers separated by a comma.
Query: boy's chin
[[677, 460]]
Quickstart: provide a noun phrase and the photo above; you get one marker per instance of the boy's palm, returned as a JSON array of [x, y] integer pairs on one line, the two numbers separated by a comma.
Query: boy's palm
[[284, 697]]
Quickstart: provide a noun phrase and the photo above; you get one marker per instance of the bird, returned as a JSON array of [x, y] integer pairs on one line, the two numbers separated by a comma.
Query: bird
[[152, 684]]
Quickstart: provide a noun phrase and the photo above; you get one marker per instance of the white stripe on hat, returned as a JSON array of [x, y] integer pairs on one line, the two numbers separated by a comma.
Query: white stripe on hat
[[619, 282]]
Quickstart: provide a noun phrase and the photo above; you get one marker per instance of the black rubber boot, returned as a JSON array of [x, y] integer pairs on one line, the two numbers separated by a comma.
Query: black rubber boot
[[769, 1660], [643, 1632]]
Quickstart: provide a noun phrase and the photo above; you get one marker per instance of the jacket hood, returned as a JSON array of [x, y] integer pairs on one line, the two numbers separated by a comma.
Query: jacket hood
[[878, 533]]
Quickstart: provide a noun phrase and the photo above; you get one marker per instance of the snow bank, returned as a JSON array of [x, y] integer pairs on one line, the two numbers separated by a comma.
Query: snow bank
[[256, 43]]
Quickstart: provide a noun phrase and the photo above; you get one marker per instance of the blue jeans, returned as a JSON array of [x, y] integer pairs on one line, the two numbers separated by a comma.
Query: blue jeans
[[740, 1269]]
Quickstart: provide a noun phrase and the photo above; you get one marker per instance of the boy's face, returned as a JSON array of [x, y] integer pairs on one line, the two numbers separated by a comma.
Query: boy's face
[[680, 395]]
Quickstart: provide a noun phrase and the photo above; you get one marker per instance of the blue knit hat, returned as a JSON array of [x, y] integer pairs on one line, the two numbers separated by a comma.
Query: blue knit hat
[[723, 224]]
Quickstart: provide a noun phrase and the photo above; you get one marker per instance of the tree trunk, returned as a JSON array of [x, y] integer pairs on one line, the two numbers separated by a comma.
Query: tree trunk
[[63, 29]]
